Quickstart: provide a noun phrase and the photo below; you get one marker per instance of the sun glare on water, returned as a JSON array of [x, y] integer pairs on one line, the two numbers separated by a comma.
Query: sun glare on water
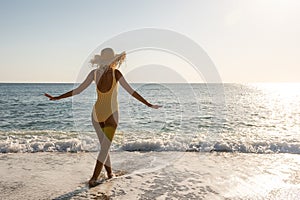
[[280, 97], [283, 91]]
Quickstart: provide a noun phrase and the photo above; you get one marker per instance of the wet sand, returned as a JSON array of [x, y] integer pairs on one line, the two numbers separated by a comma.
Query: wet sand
[[151, 175]]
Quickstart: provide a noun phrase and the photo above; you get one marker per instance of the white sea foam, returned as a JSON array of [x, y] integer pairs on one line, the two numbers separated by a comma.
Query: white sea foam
[[51, 141], [221, 146], [46, 141]]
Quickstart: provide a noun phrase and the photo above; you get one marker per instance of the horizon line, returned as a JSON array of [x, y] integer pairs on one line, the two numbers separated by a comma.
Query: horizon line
[[155, 82]]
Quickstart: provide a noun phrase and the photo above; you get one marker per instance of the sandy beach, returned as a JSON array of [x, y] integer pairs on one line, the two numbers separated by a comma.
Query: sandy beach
[[152, 175]]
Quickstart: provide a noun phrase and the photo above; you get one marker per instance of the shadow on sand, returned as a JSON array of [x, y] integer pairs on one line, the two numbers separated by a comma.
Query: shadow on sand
[[73, 193], [82, 193]]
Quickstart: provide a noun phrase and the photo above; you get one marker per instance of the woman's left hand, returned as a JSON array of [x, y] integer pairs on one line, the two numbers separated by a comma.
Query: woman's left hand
[[51, 97], [155, 106]]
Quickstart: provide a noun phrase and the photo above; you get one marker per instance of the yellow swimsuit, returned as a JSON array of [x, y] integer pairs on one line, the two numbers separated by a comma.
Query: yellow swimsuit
[[107, 102]]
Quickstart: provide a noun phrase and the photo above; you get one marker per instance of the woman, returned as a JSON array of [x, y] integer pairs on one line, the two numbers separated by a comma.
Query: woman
[[105, 110]]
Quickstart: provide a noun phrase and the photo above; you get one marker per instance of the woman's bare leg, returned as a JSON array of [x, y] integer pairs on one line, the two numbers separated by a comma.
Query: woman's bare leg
[[108, 126], [97, 171], [107, 166], [112, 122]]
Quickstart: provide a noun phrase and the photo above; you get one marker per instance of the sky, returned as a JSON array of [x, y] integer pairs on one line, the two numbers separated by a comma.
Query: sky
[[247, 40]]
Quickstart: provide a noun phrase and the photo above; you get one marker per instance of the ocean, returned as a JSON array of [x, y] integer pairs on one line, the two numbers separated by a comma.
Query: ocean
[[208, 141], [247, 118]]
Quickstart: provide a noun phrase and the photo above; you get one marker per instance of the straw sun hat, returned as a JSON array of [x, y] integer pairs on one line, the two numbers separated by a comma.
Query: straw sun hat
[[106, 57]]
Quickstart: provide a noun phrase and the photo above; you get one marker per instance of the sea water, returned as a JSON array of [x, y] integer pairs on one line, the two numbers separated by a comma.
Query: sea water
[[246, 118]]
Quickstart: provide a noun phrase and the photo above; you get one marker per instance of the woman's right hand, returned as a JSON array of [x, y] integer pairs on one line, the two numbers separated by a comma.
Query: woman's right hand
[[51, 97]]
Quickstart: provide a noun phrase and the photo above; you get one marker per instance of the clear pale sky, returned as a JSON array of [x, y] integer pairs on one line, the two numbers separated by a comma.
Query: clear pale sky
[[248, 40]]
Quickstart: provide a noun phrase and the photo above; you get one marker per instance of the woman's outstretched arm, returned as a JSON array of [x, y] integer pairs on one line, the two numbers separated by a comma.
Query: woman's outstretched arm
[[131, 91], [89, 79]]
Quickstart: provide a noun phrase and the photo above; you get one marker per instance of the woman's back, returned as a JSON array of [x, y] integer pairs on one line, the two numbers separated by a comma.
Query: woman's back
[[107, 102], [104, 80]]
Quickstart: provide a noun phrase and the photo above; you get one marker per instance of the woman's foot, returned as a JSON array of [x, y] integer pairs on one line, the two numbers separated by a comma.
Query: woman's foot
[[93, 183], [110, 175]]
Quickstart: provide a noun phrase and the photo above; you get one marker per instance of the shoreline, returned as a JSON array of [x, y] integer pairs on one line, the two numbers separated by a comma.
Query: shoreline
[[151, 175]]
